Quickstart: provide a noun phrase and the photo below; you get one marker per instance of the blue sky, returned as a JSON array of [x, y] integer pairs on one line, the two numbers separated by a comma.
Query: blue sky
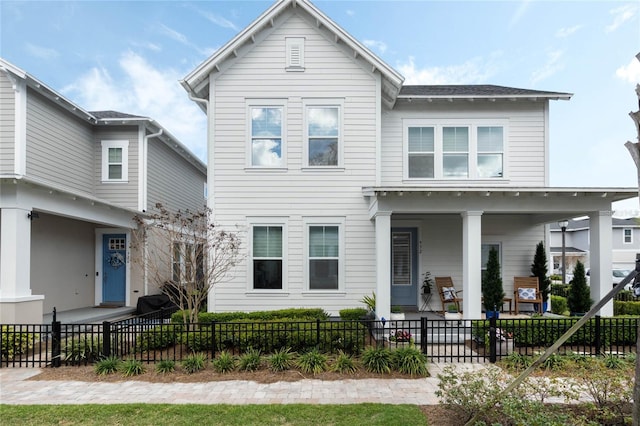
[[129, 56]]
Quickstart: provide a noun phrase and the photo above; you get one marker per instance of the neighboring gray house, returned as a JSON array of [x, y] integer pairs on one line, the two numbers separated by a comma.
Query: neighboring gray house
[[625, 243], [343, 181], [70, 183]]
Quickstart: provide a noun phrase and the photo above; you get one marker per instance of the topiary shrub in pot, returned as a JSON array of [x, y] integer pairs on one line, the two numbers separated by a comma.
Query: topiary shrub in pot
[[539, 269], [492, 291], [579, 299]]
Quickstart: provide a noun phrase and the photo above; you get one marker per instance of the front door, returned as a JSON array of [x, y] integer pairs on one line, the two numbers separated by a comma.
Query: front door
[[404, 266], [114, 268]]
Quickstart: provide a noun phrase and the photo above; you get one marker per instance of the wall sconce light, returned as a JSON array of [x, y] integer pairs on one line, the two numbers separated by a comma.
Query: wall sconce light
[[33, 215]]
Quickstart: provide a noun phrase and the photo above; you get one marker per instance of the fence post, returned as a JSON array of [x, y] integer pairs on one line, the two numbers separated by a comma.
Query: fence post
[[56, 337], [423, 335], [213, 339], [492, 340], [106, 339], [318, 333], [598, 340]]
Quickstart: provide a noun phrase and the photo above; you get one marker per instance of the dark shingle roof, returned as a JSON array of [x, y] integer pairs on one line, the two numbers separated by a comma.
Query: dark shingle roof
[[474, 90], [100, 115]]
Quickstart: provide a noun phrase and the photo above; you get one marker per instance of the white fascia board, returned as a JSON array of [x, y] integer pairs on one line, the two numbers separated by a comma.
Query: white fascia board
[[551, 96]]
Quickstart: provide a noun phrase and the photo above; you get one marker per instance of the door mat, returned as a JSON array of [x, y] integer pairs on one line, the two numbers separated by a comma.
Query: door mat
[[108, 306]]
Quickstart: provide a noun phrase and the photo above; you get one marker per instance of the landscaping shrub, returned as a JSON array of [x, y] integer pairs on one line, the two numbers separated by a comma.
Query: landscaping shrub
[[14, 343], [579, 299], [198, 340], [132, 367], [298, 313], [409, 360], [194, 363], [166, 366], [224, 363], [626, 308], [312, 362], [107, 365], [559, 305], [250, 360], [353, 314], [377, 360], [344, 364], [82, 350], [281, 360], [159, 337]]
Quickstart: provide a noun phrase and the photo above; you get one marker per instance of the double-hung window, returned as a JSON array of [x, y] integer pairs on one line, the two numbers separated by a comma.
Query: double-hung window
[[115, 158], [187, 262], [324, 253], [627, 236], [490, 151], [323, 134], [421, 152], [267, 252], [266, 145], [455, 152]]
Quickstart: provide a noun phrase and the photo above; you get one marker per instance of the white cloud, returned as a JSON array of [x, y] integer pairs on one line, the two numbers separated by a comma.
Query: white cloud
[[380, 46], [266, 153], [41, 52], [552, 66], [173, 34], [522, 9], [630, 72], [219, 20], [621, 15], [473, 71], [567, 31], [350, 12], [146, 91]]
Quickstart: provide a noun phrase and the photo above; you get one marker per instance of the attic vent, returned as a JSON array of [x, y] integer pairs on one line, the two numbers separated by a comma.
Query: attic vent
[[295, 53]]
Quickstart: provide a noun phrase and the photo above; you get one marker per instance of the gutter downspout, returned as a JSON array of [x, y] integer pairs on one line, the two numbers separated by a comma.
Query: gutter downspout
[[145, 246]]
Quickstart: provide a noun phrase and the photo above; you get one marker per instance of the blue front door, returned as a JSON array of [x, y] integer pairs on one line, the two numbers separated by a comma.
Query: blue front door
[[404, 266], [114, 268]]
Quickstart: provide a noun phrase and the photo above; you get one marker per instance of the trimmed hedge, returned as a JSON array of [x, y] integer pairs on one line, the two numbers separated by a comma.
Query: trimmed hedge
[[299, 313], [559, 305], [15, 343], [626, 308], [353, 314]]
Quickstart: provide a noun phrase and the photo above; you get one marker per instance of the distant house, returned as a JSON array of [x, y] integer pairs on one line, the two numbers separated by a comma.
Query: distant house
[[625, 243], [345, 181], [70, 183]]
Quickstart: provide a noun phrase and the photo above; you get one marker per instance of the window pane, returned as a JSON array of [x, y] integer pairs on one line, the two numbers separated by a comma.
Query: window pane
[[421, 166], [490, 165], [266, 122], [323, 241], [115, 171], [401, 255], [484, 253], [266, 152], [421, 139], [323, 152], [455, 139], [323, 274], [455, 165], [267, 241], [115, 155], [267, 274], [490, 139], [176, 262], [323, 121]]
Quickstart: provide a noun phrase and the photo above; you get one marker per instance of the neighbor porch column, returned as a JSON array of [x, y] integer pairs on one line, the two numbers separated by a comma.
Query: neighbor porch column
[[600, 236], [471, 264], [383, 264]]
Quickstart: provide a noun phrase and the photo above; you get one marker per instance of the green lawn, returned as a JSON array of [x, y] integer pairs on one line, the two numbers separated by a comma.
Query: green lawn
[[166, 414]]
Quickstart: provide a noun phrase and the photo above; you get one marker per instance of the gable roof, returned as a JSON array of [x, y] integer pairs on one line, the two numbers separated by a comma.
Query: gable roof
[[196, 83], [476, 91]]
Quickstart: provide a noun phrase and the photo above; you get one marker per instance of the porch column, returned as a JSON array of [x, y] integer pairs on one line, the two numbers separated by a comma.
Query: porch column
[[383, 264], [471, 264], [15, 246], [600, 235]]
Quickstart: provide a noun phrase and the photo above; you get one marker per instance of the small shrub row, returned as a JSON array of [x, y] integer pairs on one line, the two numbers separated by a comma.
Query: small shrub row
[[353, 314], [292, 313], [15, 343]]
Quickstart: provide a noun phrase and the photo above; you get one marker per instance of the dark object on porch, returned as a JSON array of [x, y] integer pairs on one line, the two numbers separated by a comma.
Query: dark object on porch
[[154, 303], [526, 290], [448, 293]]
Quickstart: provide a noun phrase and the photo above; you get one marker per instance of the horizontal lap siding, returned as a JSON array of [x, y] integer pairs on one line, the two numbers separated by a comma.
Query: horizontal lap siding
[[296, 193], [525, 145], [124, 194], [172, 180], [7, 124], [59, 146]]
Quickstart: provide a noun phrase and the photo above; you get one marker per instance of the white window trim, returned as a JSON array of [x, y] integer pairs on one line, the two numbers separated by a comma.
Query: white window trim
[[268, 221], [290, 43], [438, 125], [324, 221], [338, 103], [124, 145], [624, 238], [265, 103]]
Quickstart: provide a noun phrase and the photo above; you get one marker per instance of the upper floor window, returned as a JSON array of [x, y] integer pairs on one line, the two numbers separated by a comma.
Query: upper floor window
[[453, 150], [323, 134], [115, 161], [266, 136], [627, 235]]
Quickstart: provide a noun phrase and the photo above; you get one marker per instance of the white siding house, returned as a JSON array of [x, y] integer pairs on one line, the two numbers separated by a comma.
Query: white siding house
[[343, 181], [71, 182]]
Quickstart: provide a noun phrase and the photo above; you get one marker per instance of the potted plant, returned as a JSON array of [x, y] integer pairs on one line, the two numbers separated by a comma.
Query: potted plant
[[579, 298], [396, 313], [427, 283], [492, 291], [370, 303], [401, 338], [539, 269], [452, 312]]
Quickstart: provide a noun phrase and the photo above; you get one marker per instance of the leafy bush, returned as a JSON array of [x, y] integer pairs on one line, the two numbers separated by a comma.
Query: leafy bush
[[85, 350], [293, 313], [15, 343], [250, 360], [626, 308], [194, 363], [132, 367], [312, 362], [159, 337], [377, 360], [107, 365], [344, 364], [555, 362], [516, 361], [166, 366], [353, 314], [197, 340], [281, 360], [409, 360], [224, 363], [559, 305], [579, 299]]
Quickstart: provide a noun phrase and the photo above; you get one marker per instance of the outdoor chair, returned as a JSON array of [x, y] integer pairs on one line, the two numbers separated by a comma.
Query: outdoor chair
[[448, 293], [527, 290]]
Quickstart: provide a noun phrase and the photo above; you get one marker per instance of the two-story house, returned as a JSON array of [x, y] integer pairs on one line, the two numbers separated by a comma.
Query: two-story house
[[71, 182], [343, 181]]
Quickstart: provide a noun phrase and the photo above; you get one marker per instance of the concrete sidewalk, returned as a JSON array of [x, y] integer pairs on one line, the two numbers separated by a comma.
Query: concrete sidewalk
[[15, 389]]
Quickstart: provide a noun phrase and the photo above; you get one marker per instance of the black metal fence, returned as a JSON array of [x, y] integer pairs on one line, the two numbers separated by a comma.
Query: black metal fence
[[152, 337]]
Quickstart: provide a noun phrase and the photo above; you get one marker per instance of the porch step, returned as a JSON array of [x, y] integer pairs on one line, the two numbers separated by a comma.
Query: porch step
[[442, 338]]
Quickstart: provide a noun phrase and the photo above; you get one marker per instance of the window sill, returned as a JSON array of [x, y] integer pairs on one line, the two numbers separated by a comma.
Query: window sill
[[271, 293], [322, 169], [115, 181], [266, 169], [324, 293], [294, 69]]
